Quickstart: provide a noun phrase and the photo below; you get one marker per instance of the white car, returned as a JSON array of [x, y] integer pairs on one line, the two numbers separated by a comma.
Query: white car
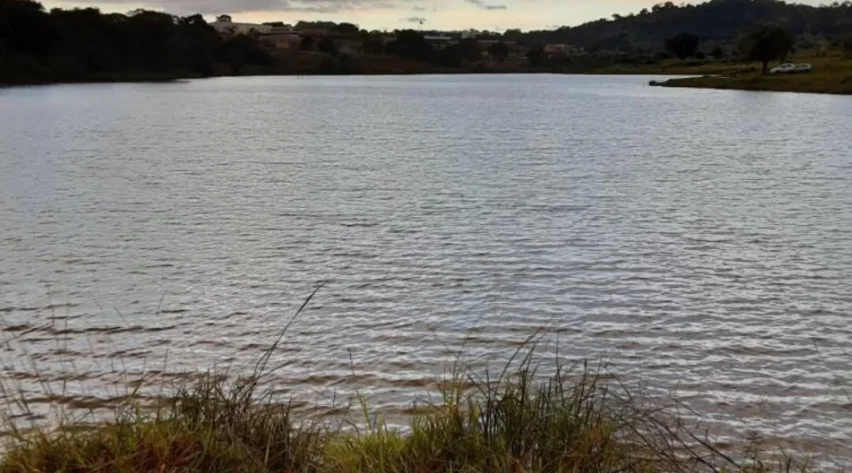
[[790, 68], [804, 68]]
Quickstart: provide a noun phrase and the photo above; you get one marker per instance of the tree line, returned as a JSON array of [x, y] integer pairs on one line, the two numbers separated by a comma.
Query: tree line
[[762, 44], [86, 42], [83, 44]]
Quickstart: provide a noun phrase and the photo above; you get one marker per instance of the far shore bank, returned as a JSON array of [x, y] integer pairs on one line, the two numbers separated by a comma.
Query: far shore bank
[[761, 83], [831, 75], [26, 73], [178, 78]]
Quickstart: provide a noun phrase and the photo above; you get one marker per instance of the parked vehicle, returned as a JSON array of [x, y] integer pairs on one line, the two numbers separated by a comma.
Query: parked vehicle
[[790, 68], [804, 68]]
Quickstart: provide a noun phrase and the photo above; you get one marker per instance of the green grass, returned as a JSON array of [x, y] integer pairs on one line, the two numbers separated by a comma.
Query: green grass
[[831, 75], [576, 420], [678, 67], [568, 422]]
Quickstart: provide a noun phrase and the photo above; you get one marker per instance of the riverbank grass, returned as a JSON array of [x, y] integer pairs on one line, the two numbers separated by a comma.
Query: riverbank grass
[[577, 419], [831, 75], [569, 422]]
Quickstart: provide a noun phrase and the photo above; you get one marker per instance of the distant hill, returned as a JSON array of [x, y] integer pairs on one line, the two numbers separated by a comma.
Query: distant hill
[[715, 22]]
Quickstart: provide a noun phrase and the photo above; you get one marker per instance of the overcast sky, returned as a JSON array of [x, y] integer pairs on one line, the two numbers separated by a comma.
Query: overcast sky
[[391, 14]]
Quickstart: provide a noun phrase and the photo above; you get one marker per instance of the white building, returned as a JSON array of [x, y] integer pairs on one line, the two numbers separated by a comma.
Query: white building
[[224, 26]]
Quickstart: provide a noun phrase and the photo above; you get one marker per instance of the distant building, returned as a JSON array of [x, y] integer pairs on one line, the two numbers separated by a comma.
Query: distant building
[[561, 50], [438, 39], [225, 26], [285, 29], [315, 32], [281, 37], [281, 41], [489, 42]]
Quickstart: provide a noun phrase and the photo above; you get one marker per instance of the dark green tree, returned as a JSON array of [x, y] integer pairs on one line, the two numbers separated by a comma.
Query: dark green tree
[[717, 52], [346, 29], [344, 64], [240, 51], [536, 56], [326, 45], [500, 51], [26, 28], [448, 56], [470, 50], [410, 44], [847, 45], [327, 66], [371, 43], [86, 44], [683, 45], [767, 44], [152, 36], [307, 43]]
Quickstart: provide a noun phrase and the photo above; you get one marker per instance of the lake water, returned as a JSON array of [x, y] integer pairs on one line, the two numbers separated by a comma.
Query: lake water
[[699, 241]]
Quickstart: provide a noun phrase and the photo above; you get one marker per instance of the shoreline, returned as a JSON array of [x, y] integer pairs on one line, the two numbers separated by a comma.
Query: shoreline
[[841, 86], [580, 419], [749, 83], [367, 69], [178, 78], [831, 75]]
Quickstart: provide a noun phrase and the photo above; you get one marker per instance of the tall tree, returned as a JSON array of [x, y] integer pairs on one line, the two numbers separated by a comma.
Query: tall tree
[[26, 28], [469, 49], [767, 44], [717, 52], [346, 29], [683, 45], [326, 45], [500, 51], [536, 56], [85, 44], [410, 44], [371, 43]]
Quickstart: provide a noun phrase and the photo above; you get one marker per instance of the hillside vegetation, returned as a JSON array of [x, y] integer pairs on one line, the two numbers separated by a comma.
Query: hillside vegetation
[[714, 22]]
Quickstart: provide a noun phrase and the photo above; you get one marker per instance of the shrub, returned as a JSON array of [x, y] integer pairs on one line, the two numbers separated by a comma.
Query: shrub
[[717, 52]]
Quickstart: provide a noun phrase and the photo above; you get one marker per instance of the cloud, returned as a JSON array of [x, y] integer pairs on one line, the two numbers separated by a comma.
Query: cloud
[[415, 19], [487, 6], [420, 8]]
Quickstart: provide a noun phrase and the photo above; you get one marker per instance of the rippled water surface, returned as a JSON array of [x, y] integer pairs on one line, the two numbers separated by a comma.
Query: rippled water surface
[[701, 241]]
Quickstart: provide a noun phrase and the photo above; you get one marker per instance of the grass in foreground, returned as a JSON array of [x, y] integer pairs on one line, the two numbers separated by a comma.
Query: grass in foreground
[[569, 422], [832, 75], [572, 421]]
